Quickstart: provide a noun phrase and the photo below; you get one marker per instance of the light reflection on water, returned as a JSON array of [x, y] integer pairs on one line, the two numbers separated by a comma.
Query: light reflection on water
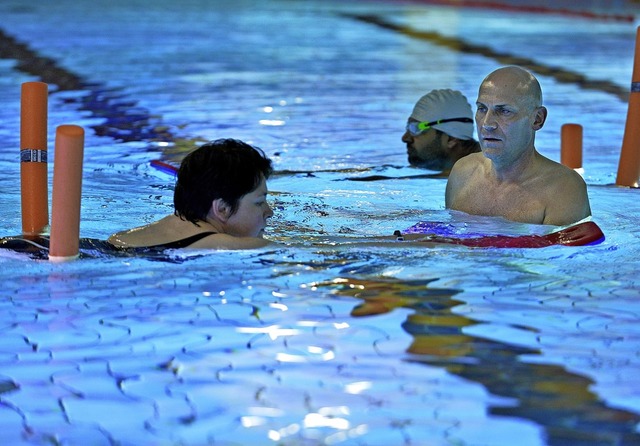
[[315, 340]]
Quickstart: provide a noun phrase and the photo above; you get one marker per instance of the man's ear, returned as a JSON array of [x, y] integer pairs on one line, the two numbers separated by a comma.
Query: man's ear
[[541, 117], [450, 141], [220, 210]]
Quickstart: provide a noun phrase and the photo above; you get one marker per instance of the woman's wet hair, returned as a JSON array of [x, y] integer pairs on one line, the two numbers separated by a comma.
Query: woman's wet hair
[[224, 168]]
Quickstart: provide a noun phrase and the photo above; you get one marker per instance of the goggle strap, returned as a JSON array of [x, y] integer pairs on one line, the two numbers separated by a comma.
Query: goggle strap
[[425, 125]]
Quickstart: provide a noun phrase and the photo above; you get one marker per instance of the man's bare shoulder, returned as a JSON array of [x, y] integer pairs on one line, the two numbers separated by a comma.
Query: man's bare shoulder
[[470, 161], [461, 175], [555, 174], [466, 166], [565, 193]]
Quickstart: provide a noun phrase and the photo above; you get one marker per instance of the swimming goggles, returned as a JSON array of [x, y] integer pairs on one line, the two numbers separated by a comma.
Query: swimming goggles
[[415, 128]]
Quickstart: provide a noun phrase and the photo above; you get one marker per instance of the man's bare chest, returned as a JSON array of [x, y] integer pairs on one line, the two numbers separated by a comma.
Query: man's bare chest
[[511, 201]]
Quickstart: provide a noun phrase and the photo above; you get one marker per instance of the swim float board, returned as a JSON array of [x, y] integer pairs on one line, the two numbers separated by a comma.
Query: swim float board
[[579, 234]]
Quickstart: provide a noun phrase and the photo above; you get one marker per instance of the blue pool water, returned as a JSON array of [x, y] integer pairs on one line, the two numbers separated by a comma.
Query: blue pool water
[[314, 340]]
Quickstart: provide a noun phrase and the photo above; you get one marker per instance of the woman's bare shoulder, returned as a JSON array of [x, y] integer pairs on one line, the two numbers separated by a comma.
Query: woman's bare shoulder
[[153, 233], [230, 242]]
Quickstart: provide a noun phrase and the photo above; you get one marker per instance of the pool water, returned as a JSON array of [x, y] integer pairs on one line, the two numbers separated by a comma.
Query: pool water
[[316, 339]]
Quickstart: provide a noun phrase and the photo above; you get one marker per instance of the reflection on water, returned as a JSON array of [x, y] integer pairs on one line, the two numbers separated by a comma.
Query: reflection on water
[[229, 346], [547, 394]]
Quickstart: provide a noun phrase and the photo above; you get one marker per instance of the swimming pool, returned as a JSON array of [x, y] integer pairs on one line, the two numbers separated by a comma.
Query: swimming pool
[[314, 341]]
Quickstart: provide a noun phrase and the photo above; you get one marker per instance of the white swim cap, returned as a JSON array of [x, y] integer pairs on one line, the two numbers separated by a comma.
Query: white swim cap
[[445, 104]]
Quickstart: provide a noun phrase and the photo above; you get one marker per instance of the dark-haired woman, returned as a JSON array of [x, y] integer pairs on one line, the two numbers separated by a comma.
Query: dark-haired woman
[[220, 202]]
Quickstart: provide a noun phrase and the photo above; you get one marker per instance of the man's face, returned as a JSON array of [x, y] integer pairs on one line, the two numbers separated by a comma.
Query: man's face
[[427, 149], [505, 121]]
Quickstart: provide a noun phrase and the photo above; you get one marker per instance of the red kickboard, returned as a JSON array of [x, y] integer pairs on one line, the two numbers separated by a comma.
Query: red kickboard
[[585, 233]]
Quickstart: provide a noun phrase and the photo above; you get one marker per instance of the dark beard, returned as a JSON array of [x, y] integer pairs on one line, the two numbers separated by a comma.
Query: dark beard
[[438, 164]]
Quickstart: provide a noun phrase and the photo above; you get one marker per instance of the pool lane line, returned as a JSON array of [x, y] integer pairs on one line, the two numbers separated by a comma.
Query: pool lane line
[[461, 46], [440, 337], [629, 18], [32, 63], [123, 119]]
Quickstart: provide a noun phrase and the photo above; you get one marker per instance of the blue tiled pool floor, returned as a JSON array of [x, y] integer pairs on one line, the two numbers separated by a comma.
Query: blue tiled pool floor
[[314, 341]]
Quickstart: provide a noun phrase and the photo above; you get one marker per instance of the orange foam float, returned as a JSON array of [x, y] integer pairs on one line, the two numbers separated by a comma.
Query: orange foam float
[[571, 146], [33, 158], [629, 166], [67, 190]]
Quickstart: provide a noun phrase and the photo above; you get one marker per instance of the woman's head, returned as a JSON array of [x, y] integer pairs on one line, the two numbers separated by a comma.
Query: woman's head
[[224, 169]]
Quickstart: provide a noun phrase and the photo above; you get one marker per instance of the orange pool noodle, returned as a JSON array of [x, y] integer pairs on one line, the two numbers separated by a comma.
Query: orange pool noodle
[[33, 158], [571, 145], [67, 188], [629, 166]]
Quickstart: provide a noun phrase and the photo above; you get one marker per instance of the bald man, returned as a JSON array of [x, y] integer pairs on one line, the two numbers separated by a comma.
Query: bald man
[[509, 178]]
